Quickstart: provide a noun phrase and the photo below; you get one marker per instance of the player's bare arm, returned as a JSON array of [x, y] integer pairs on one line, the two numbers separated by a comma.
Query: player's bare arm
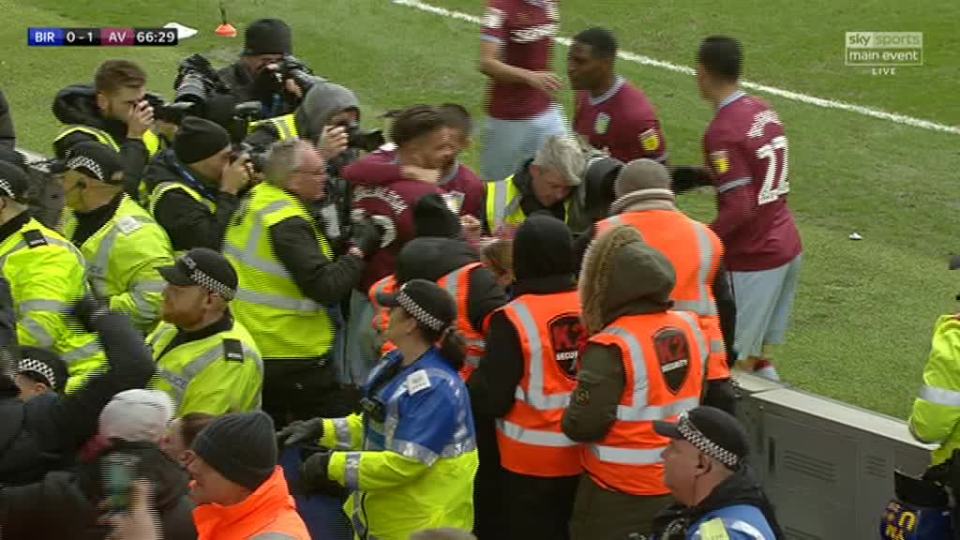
[[492, 65]]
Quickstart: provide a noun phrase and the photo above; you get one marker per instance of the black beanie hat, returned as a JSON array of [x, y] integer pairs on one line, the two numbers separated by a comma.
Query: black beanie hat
[[197, 139], [432, 217], [240, 446], [542, 247], [267, 36]]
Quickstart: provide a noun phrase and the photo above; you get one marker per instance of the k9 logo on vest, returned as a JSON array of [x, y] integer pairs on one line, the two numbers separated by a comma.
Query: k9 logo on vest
[[566, 334], [673, 353]]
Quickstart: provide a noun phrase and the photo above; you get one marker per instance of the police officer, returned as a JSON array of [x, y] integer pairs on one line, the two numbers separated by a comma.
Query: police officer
[[121, 243], [705, 467], [641, 363], [46, 274], [419, 456], [194, 187], [288, 278], [254, 76], [112, 112], [206, 360]]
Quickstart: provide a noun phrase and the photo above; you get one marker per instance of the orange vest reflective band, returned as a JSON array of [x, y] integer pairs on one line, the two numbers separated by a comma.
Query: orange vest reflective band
[[457, 283], [530, 437], [674, 234], [663, 359]]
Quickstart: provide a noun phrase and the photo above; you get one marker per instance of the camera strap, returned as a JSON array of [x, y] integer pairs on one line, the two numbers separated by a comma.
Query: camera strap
[[191, 181]]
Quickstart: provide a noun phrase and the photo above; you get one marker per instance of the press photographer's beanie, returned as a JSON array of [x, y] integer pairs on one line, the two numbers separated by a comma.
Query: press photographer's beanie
[[197, 139], [240, 446]]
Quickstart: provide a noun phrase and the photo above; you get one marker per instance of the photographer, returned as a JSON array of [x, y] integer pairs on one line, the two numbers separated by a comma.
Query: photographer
[[112, 112], [194, 188], [328, 116], [266, 71]]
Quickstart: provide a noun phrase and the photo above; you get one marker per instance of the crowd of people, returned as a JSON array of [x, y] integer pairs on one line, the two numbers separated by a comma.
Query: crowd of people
[[223, 327]]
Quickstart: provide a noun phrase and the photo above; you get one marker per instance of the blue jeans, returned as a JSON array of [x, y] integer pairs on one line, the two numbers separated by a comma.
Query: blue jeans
[[508, 143]]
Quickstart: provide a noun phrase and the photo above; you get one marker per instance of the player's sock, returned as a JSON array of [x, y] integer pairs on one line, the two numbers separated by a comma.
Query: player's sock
[[764, 368]]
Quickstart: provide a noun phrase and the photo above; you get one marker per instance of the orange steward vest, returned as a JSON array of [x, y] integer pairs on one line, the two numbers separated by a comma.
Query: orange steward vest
[[530, 436], [695, 253], [663, 360]]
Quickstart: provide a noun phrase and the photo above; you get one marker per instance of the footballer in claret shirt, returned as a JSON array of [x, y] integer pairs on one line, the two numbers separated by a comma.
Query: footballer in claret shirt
[[747, 152]]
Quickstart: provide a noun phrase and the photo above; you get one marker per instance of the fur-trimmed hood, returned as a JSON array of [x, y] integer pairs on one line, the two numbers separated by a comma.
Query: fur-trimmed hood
[[623, 275]]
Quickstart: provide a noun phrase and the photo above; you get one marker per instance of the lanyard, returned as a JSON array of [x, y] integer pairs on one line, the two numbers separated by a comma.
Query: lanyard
[[205, 191]]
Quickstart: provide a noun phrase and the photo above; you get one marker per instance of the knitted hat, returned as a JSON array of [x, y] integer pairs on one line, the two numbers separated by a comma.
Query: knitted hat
[[137, 416], [43, 365], [641, 180], [267, 36], [543, 246], [197, 139], [432, 217], [240, 446]]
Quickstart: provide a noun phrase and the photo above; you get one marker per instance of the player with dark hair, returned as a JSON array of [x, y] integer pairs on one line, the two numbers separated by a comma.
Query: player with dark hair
[[611, 114], [112, 112], [746, 151]]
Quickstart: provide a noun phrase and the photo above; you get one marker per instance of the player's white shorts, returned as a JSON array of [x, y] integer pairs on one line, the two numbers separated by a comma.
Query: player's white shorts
[[764, 301], [508, 143]]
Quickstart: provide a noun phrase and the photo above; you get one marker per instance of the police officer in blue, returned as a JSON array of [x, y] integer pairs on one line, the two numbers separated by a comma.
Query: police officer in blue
[[410, 458], [705, 468]]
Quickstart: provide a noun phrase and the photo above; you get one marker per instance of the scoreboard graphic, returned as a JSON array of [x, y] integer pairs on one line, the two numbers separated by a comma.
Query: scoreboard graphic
[[101, 37]]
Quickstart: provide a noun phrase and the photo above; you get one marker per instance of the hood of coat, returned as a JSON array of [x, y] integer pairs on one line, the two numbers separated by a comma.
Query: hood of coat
[[323, 101], [432, 257], [623, 275], [170, 481]]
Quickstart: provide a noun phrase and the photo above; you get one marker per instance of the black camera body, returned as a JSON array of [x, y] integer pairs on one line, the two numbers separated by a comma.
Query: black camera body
[[367, 141], [173, 113], [292, 68]]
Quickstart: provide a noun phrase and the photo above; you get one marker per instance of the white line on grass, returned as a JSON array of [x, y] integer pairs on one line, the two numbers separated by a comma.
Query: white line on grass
[[796, 96]]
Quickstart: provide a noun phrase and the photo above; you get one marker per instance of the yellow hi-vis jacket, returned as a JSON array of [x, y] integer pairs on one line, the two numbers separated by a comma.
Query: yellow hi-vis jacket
[[936, 411], [219, 374], [46, 275], [122, 259], [285, 125], [503, 206], [284, 322]]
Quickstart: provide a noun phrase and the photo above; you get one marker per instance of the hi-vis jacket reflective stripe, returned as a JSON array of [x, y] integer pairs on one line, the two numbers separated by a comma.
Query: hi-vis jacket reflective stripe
[[457, 283], [219, 374], [164, 187], [284, 322], [628, 458], [503, 205], [46, 275], [150, 139], [530, 437], [285, 125], [936, 411], [122, 260], [675, 235]]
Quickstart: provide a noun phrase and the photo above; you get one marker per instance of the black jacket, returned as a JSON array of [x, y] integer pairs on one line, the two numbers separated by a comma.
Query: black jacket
[[741, 488], [64, 504], [77, 104], [188, 222], [528, 202], [8, 137], [44, 433], [432, 257], [244, 88]]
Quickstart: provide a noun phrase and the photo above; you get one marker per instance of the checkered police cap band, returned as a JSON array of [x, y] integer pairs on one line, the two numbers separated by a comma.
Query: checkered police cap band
[[418, 312], [83, 162], [7, 188], [36, 366], [705, 445], [204, 280]]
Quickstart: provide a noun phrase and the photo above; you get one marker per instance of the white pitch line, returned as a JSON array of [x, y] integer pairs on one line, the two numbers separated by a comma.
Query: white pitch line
[[787, 94]]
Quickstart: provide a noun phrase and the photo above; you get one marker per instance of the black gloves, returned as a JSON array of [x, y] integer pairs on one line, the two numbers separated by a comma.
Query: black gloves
[[87, 310], [366, 236], [314, 477], [687, 177], [301, 431]]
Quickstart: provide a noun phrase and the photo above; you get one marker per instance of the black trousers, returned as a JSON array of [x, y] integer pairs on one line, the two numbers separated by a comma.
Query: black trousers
[[538, 508], [489, 521], [300, 389]]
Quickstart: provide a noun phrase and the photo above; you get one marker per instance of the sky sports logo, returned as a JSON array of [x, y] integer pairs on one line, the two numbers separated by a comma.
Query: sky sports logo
[[883, 49]]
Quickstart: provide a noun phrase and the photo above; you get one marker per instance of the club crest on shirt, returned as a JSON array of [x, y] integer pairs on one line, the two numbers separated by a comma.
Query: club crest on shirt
[[650, 140], [720, 161], [601, 124]]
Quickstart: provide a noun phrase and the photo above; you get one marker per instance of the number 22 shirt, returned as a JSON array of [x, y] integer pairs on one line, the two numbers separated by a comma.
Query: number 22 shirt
[[746, 150]]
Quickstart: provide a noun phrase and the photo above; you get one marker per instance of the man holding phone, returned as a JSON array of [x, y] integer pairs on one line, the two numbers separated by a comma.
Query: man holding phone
[[112, 112]]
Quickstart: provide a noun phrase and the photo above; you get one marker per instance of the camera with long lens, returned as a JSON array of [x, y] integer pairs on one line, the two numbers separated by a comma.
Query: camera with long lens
[[367, 141], [197, 81], [290, 67]]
